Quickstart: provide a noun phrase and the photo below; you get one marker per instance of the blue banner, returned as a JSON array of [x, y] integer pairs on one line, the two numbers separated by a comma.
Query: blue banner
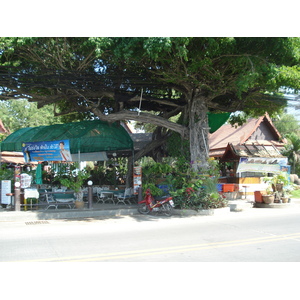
[[47, 151]]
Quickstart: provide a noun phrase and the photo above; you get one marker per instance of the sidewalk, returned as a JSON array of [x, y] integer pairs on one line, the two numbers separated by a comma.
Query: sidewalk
[[111, 210]]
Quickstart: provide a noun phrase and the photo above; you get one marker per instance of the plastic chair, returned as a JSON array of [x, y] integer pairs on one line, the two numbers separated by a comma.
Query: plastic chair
[[50, 201], [126, 197], [99, 195]]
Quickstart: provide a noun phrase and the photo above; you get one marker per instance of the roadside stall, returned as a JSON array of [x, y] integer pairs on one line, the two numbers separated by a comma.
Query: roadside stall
[[70, 142], [249, 163]]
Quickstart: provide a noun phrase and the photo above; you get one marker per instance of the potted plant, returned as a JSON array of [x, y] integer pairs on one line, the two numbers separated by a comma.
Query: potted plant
[[277, 185], [284, 197], [268, 197], [74, 180], [278, 181]]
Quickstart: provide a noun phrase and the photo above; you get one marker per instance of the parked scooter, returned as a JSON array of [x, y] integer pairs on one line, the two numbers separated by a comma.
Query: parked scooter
[[163, 204]]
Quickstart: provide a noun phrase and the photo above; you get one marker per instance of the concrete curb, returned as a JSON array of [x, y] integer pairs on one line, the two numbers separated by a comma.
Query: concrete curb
[[14, 216], [21, 216], [233, 205], [202, 212]]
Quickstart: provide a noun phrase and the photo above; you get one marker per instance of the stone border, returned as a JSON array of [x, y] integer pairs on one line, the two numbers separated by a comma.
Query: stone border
[[202, 212], [272, 205]]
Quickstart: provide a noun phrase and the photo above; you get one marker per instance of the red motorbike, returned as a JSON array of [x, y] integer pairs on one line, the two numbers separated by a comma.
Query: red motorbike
[[163, 204]]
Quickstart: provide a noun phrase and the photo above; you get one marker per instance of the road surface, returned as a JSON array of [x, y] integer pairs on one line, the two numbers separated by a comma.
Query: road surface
[[263, 235]]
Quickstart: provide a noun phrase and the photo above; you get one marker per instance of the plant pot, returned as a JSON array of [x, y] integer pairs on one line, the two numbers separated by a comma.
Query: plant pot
[[284, 199], [268, 199], [79, 204], [79, 196]]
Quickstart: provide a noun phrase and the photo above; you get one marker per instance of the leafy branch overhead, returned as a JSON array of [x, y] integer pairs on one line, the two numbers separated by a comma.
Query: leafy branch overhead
[[112, 78], [98, 71]]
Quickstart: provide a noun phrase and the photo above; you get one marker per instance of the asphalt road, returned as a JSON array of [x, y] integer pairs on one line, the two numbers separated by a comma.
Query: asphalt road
[[259, 235]]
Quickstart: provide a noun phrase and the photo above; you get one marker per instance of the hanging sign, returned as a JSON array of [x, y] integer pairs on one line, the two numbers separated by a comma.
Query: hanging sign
[[25, 180], [137, 178], [47, 151]]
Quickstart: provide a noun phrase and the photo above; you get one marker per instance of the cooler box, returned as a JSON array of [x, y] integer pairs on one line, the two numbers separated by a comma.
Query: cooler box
[[220, 187], [228, 187]]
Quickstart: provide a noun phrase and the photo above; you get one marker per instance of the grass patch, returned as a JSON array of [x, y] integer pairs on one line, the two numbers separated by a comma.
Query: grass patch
[[295, 194]]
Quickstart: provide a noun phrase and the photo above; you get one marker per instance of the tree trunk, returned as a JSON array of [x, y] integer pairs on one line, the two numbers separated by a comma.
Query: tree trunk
[[198, 122], [129, 177]]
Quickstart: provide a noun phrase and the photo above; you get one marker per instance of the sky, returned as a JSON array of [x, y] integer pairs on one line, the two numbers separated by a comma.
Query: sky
[[293, 107], [155, 18]]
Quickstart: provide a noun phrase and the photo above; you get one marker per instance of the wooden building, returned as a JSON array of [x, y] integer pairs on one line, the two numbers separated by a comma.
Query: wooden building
[[248, 152]]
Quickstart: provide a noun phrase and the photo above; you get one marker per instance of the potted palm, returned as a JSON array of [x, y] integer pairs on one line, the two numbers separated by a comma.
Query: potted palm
[[277, 185], [74, 180]]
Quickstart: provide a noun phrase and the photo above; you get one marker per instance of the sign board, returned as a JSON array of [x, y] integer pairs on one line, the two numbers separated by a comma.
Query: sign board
[[261, 164], [137, 178], [25, 180], [47, 151], [5, 189]]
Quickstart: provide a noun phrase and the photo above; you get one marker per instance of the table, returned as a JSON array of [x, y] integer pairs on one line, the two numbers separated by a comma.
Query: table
[[245, 187], [30, 194], [107, 196]]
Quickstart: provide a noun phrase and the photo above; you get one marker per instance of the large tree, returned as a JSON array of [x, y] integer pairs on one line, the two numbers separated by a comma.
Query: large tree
[[110, 78]]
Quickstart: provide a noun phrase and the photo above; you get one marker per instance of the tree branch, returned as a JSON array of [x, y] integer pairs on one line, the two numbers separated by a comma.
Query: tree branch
[[142, 118]]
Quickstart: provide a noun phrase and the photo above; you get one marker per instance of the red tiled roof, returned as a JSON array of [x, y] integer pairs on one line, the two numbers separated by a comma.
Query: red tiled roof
[[12, 158], [227, 133]]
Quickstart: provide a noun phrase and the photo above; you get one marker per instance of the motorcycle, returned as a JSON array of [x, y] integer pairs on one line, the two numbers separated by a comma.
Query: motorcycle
[[164, 204]]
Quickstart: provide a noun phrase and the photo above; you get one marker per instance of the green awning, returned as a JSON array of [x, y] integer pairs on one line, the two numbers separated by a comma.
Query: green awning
[[84, 137], [215, 121]]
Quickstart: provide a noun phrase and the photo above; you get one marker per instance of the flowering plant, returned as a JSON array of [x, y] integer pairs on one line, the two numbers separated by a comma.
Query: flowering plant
[[189, 190]]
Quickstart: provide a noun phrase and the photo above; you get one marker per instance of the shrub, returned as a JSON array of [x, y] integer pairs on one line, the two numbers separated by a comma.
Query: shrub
[[196, 191], [189, 189]]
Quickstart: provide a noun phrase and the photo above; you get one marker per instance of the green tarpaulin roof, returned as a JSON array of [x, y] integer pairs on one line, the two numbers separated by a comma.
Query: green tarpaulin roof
[[85, 136], [215, 121]]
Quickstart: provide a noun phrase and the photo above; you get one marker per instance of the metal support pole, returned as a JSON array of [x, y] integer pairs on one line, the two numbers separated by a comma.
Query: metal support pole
[[90, 196], [17, 194], [140, 194]]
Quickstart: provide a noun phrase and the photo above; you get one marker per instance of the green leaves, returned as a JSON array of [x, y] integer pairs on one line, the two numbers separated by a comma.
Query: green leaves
[[288, 76], [17, 114], [74, 178]]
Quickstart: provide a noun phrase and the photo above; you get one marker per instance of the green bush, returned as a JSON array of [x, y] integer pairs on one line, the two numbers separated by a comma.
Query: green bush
[[154, 174], [201, 194], [189, 189]]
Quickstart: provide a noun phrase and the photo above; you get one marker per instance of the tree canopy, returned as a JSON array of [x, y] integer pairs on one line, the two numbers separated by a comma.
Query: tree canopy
[[112, 78], [17, 114]]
